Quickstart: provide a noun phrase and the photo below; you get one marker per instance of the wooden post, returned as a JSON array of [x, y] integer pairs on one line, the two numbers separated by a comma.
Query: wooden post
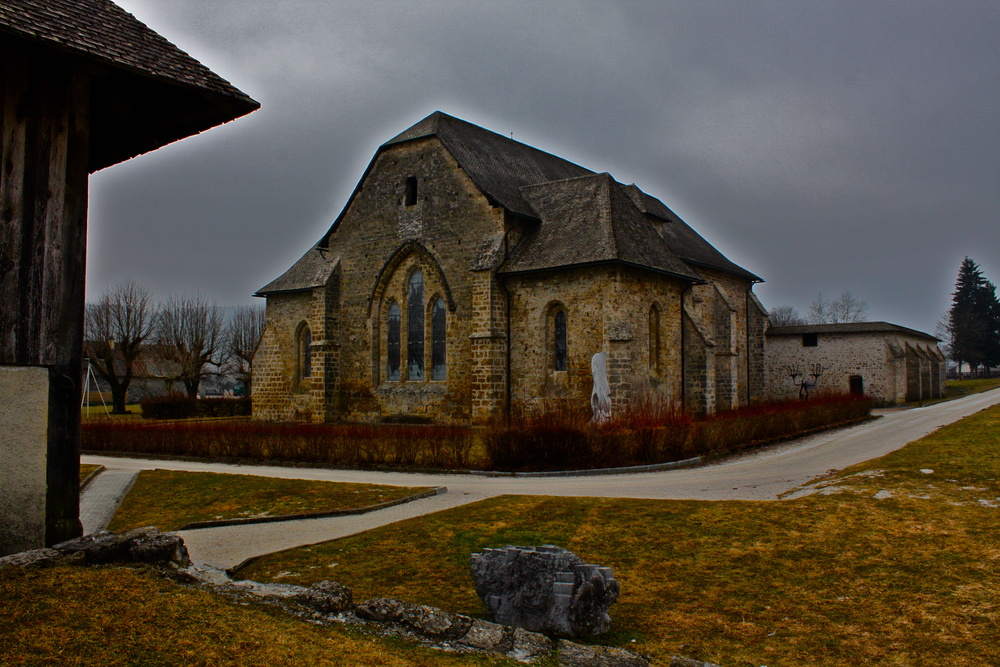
[[43, 227]]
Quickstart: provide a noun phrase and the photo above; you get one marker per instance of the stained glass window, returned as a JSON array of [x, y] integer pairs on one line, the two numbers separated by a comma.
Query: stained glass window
[[415, 327]]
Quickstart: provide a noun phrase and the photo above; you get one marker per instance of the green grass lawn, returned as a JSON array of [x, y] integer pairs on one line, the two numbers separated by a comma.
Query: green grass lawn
[[170, 499], [890, 565]]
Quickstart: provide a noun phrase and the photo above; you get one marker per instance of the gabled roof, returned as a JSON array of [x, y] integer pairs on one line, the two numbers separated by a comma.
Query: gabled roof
[[590, 220], [849, 328], [150, 93], [584, 217]]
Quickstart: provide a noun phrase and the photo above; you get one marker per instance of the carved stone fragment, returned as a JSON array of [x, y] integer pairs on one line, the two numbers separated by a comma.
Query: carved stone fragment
[[545, 589]]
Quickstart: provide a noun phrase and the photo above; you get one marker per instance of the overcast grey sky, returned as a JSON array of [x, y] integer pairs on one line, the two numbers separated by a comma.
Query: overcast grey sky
[[822, 145]]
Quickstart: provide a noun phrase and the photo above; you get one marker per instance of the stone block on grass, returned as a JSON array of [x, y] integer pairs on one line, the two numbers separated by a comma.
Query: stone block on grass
[[545, 589]]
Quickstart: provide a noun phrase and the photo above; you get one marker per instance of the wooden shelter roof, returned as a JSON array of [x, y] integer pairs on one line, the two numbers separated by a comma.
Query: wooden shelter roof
[[145, 92]]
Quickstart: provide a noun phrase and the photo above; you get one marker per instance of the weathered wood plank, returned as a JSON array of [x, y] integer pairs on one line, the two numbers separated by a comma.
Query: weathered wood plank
[[12, 200], [64, 269]]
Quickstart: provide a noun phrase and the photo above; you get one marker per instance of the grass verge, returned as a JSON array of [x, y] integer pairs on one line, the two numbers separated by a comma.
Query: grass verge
[[889, 565], [170, 499], [86, 469], [960, 388], [118, 616]]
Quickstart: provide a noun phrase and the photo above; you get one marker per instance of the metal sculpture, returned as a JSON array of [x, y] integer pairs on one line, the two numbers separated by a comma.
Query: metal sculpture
[[805, 384]]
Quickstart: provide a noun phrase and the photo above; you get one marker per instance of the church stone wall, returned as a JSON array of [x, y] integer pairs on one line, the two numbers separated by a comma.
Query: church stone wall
[[274, 397], [380, 240], [607, 310]]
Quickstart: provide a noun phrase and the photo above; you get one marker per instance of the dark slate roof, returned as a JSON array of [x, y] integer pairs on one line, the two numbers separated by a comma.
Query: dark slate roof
[[573, 227], [152, 92], [684, 241], [848, 328], [590, 220], [497, 164], [313, 269]]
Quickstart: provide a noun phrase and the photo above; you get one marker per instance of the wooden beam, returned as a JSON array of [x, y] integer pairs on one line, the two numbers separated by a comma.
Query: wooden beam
[[43, 234]]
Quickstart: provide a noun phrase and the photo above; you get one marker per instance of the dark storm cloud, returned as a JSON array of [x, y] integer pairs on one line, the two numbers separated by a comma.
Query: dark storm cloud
[[824, 146]]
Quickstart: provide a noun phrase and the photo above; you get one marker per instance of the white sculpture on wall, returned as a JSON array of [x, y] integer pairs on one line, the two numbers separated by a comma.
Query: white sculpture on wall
[[600, 395]]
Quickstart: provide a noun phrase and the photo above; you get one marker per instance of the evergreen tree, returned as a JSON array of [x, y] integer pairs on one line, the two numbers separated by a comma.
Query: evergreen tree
[[974, 319]]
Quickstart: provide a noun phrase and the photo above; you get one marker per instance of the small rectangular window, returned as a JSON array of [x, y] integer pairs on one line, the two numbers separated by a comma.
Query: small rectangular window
[[410, 197], [810, 340]]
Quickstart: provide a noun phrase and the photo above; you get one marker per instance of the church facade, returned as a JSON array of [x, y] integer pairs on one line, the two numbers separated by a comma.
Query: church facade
[[471, 277]]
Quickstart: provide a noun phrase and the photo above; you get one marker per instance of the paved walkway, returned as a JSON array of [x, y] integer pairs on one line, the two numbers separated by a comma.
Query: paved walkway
[[102, 497], [761, 476]]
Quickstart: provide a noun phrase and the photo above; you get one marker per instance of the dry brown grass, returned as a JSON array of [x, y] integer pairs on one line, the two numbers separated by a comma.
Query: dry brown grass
[[118, 616], [169, 499], [849, 578]]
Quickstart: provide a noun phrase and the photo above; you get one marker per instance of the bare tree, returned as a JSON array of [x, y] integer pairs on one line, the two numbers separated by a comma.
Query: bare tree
[[115, 329], [246, 325], [845, 308], [848, 308], [819, 310], [192, 331], [785, 316]]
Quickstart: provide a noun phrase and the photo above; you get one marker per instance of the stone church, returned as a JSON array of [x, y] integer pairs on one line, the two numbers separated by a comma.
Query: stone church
[[472, 276]]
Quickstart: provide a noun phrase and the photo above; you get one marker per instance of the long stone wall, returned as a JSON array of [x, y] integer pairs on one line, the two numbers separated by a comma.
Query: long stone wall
[[892, 368]]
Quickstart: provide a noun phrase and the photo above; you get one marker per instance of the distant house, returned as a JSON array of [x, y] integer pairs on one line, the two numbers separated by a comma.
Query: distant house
[[890, 363], [153, 373]]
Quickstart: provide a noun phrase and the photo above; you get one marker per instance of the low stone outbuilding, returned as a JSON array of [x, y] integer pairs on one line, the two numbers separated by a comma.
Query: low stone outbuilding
[[890, 363], [472, 276]]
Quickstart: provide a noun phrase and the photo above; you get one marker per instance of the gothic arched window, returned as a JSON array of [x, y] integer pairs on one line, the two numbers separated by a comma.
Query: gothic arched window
[[559, 346], [654, 339], [438, 341], [303, 354], [393, 341], [415, 326]]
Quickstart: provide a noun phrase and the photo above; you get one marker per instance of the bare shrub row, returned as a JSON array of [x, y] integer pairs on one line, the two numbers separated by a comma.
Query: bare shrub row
[[643, 435], [650, 433], [338, 444]]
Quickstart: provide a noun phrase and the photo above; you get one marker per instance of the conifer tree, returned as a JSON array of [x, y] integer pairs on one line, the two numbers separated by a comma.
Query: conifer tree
[[974, 319]]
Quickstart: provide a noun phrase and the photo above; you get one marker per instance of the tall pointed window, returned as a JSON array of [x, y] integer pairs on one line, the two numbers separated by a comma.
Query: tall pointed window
[[560, 340], [415, 326], [654, 340], [392, 371], [438, 341], [303, 355]]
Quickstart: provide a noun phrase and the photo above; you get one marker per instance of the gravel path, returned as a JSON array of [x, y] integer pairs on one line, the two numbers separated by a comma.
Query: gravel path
[[761, 476]]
